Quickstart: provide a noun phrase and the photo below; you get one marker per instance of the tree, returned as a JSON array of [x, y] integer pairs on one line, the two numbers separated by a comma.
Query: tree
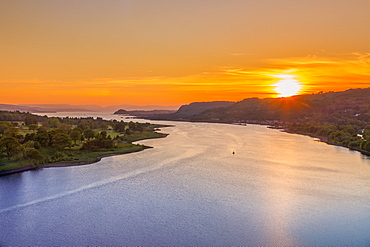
[[89, 133], [45, 125], [120, 127], [33, 153], [98, 136], [104, 126], [42, 137], [131, 126], [29, 137], [3, 127], [83, 126], [29, 144], [36, 145], [53, 122], [367, 133], [366, 146], [75, 135], [65, 127], [19, 152], [135, 126], [33, 127], [103, 134], [127, 132], [60, 141], [12, 131], [30, 120], [9, 145], [57, 156], [79, 129], [96, 145]]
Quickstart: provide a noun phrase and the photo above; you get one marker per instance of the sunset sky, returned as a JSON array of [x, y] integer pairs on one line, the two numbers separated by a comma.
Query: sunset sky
[[172, 52]]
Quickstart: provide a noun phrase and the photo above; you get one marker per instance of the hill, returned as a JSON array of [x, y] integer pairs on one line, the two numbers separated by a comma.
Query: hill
[[23, 108], [143, 113], [96, 108], [331, 107], [339, 118], [199, 107]]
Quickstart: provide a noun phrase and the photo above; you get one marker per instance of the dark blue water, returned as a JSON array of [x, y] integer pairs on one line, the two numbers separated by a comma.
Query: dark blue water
[[278, 189]]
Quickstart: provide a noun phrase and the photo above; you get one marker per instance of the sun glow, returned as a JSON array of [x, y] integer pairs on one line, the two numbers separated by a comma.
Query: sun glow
[[287, 85]]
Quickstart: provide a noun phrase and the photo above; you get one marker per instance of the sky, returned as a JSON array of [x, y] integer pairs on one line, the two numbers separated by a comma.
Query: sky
[[174, 52]]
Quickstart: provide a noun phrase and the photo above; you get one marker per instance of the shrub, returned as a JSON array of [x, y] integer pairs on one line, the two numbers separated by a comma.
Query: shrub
[[33, 153], [58, 156]]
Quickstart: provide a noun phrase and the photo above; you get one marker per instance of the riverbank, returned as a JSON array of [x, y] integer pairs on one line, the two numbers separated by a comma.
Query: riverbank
[[325, 140], [274, 125], [85, 158], [74, 162]]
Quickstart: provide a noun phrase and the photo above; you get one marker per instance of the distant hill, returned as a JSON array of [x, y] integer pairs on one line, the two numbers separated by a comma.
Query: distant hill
[[143, 113], [113, 108], [121, 112], [198, 107], [21, 108], [96, 108], [19, 116], [331, 107], [67, 107]]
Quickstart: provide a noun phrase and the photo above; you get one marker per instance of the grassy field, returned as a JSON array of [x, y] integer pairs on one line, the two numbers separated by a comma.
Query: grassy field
[[90, 157], [74, 156], [6, 165], [142, 136]]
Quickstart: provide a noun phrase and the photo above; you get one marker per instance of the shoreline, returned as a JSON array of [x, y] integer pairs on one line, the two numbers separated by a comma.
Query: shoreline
[[99, 158], [282, 129], [63, 164], [82, 163], [77, 162], [325, 140]]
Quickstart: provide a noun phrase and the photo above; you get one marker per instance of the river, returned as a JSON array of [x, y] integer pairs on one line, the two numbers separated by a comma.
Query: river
[[277, 189]]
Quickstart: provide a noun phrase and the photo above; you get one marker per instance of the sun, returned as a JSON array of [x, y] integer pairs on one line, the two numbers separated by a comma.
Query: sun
[[287, 85]]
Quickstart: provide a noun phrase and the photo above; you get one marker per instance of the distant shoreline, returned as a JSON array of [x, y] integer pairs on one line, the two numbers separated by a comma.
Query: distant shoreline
[[321, 138], [325, 140]]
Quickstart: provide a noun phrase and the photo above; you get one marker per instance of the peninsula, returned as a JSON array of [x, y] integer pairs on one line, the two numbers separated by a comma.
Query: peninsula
[[29, 141]]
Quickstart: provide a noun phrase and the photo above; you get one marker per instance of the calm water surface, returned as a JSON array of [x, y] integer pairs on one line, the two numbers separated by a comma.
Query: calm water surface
[[278, 189]]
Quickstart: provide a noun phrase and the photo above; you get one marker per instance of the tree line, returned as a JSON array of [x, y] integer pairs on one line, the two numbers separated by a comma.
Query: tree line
[[49, 139]]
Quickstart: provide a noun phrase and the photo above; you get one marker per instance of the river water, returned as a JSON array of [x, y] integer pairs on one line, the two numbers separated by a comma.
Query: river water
[[277, 189]]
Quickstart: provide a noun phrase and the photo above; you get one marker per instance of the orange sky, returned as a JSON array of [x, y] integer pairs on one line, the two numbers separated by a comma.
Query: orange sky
[[173, 52]]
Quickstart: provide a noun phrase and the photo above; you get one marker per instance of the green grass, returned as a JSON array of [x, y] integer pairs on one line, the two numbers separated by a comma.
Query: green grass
[[6, 165], [89, 157], [112, 133], [74, 156], [142, 136]]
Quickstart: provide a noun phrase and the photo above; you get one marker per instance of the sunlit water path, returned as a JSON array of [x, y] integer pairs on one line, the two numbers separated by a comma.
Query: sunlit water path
[[277, 189]]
